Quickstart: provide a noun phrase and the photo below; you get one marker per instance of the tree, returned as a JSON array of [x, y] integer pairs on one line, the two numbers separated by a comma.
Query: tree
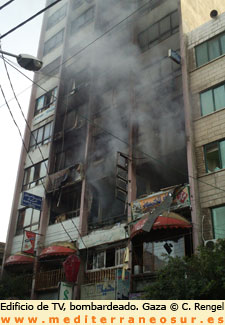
[[15, 287], [201, 276]]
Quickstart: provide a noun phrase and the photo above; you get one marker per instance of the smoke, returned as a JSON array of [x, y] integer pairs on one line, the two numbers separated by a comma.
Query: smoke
[[129, 89]]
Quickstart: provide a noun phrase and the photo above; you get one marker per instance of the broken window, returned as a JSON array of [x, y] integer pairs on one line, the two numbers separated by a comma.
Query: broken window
[[34, 175], [65, 204], [46, 101], [28, 219], [40, 136], [215, 156], [155, 254]]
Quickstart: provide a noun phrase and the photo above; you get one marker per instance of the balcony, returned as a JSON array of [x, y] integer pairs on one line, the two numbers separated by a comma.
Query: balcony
[[49, 279], [100, 275]]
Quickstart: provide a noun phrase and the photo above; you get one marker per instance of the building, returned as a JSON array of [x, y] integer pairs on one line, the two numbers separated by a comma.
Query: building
[[111, 146]]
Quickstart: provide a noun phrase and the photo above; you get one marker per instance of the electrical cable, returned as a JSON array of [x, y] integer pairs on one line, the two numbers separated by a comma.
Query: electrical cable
[[28, 126], [24, 145], [29, 19], [6, 4]]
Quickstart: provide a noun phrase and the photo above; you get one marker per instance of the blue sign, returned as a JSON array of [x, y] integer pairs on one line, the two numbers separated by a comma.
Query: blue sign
[[31, 201]]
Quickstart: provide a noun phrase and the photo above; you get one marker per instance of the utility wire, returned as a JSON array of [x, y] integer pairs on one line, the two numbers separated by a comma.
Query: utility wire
[[6, 4], [123, 141], [3, 94], [29, 19], [28, 126]]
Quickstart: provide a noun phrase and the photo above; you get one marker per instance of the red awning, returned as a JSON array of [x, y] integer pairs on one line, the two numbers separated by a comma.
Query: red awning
[[57, 251], [19, 259], [165, 221]]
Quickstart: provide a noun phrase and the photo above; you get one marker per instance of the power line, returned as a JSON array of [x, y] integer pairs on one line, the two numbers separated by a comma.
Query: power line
[[32, 135], [29, 19], [6, 4], [3, 94]]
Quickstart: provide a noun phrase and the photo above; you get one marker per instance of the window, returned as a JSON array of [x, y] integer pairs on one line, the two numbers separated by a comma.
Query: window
[[65, 204], [40, 136], [34, 175], [155, 254], [215, 156], [210, 50], [53, 42], [46, 101], [218, 219], [86, 18], [159, 31], [56, 17], [77, 3], [212, 99], [106, 258], [52, 68], [28, 219]]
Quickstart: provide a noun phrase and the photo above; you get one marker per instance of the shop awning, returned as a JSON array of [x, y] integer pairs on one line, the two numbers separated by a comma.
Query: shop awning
[[19, 259], [167, 220], [56, 250]]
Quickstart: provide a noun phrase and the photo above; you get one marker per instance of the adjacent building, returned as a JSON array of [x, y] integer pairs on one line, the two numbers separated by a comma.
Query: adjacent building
[[114, 166]]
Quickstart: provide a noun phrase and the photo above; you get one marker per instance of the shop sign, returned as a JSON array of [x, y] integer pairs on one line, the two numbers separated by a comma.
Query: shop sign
[[123, 285], [28, 242], [65, 291], [149, 203]]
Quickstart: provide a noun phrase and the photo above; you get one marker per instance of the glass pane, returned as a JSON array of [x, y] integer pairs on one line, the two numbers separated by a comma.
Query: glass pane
[[219, 95], [40, 135], [212, 157], [175, 19], [36, 215], [214, 48], [100, 259], [153, 33], [201, 54], [222, 153], [36, 171], [219, 222], [47, 131], [207, 105], [28, 215], [40, 103], [33, 138], [43, 170], [143, 40], [222, 42], [164, 25]]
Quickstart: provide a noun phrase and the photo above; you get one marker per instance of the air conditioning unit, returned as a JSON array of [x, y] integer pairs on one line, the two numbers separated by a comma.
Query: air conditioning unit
[[210, 243]]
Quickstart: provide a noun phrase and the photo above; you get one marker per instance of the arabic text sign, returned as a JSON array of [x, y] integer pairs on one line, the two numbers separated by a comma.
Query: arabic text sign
[[28, 242], [31, 201], [65, 291], [105, 290], [152, 201]]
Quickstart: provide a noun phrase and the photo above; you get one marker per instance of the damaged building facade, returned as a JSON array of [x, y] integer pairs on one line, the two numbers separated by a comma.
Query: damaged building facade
[[113, 175]]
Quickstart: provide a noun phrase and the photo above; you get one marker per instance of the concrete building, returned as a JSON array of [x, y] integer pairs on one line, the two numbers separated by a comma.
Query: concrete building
[[112, 146]]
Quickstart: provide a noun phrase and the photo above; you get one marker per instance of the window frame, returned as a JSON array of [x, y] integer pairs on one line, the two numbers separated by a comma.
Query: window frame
[[219, 152], [213, 98], [43, 140], [27, 182], [76, 27], [56, 40], [56, 17], [219, 36], [20, 230], [46, 103], [213, 222]]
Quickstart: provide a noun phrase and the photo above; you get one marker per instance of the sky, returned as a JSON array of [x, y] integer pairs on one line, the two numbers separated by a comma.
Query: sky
[[24, 40]]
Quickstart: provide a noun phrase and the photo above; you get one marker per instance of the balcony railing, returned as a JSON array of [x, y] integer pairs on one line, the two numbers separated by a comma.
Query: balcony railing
[[100, 275], [49, 279]]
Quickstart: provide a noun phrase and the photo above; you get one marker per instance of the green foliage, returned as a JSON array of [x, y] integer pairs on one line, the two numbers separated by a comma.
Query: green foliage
[[14, 287], [201, 276]]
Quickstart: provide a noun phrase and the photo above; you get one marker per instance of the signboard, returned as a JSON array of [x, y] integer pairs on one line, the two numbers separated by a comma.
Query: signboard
[[28, 242], [149, 203], [31, 201], [65, 291], [123, 286], [104, 290]]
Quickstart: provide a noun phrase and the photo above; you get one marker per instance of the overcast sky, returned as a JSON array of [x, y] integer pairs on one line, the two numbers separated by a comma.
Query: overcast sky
[[23, 40]]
